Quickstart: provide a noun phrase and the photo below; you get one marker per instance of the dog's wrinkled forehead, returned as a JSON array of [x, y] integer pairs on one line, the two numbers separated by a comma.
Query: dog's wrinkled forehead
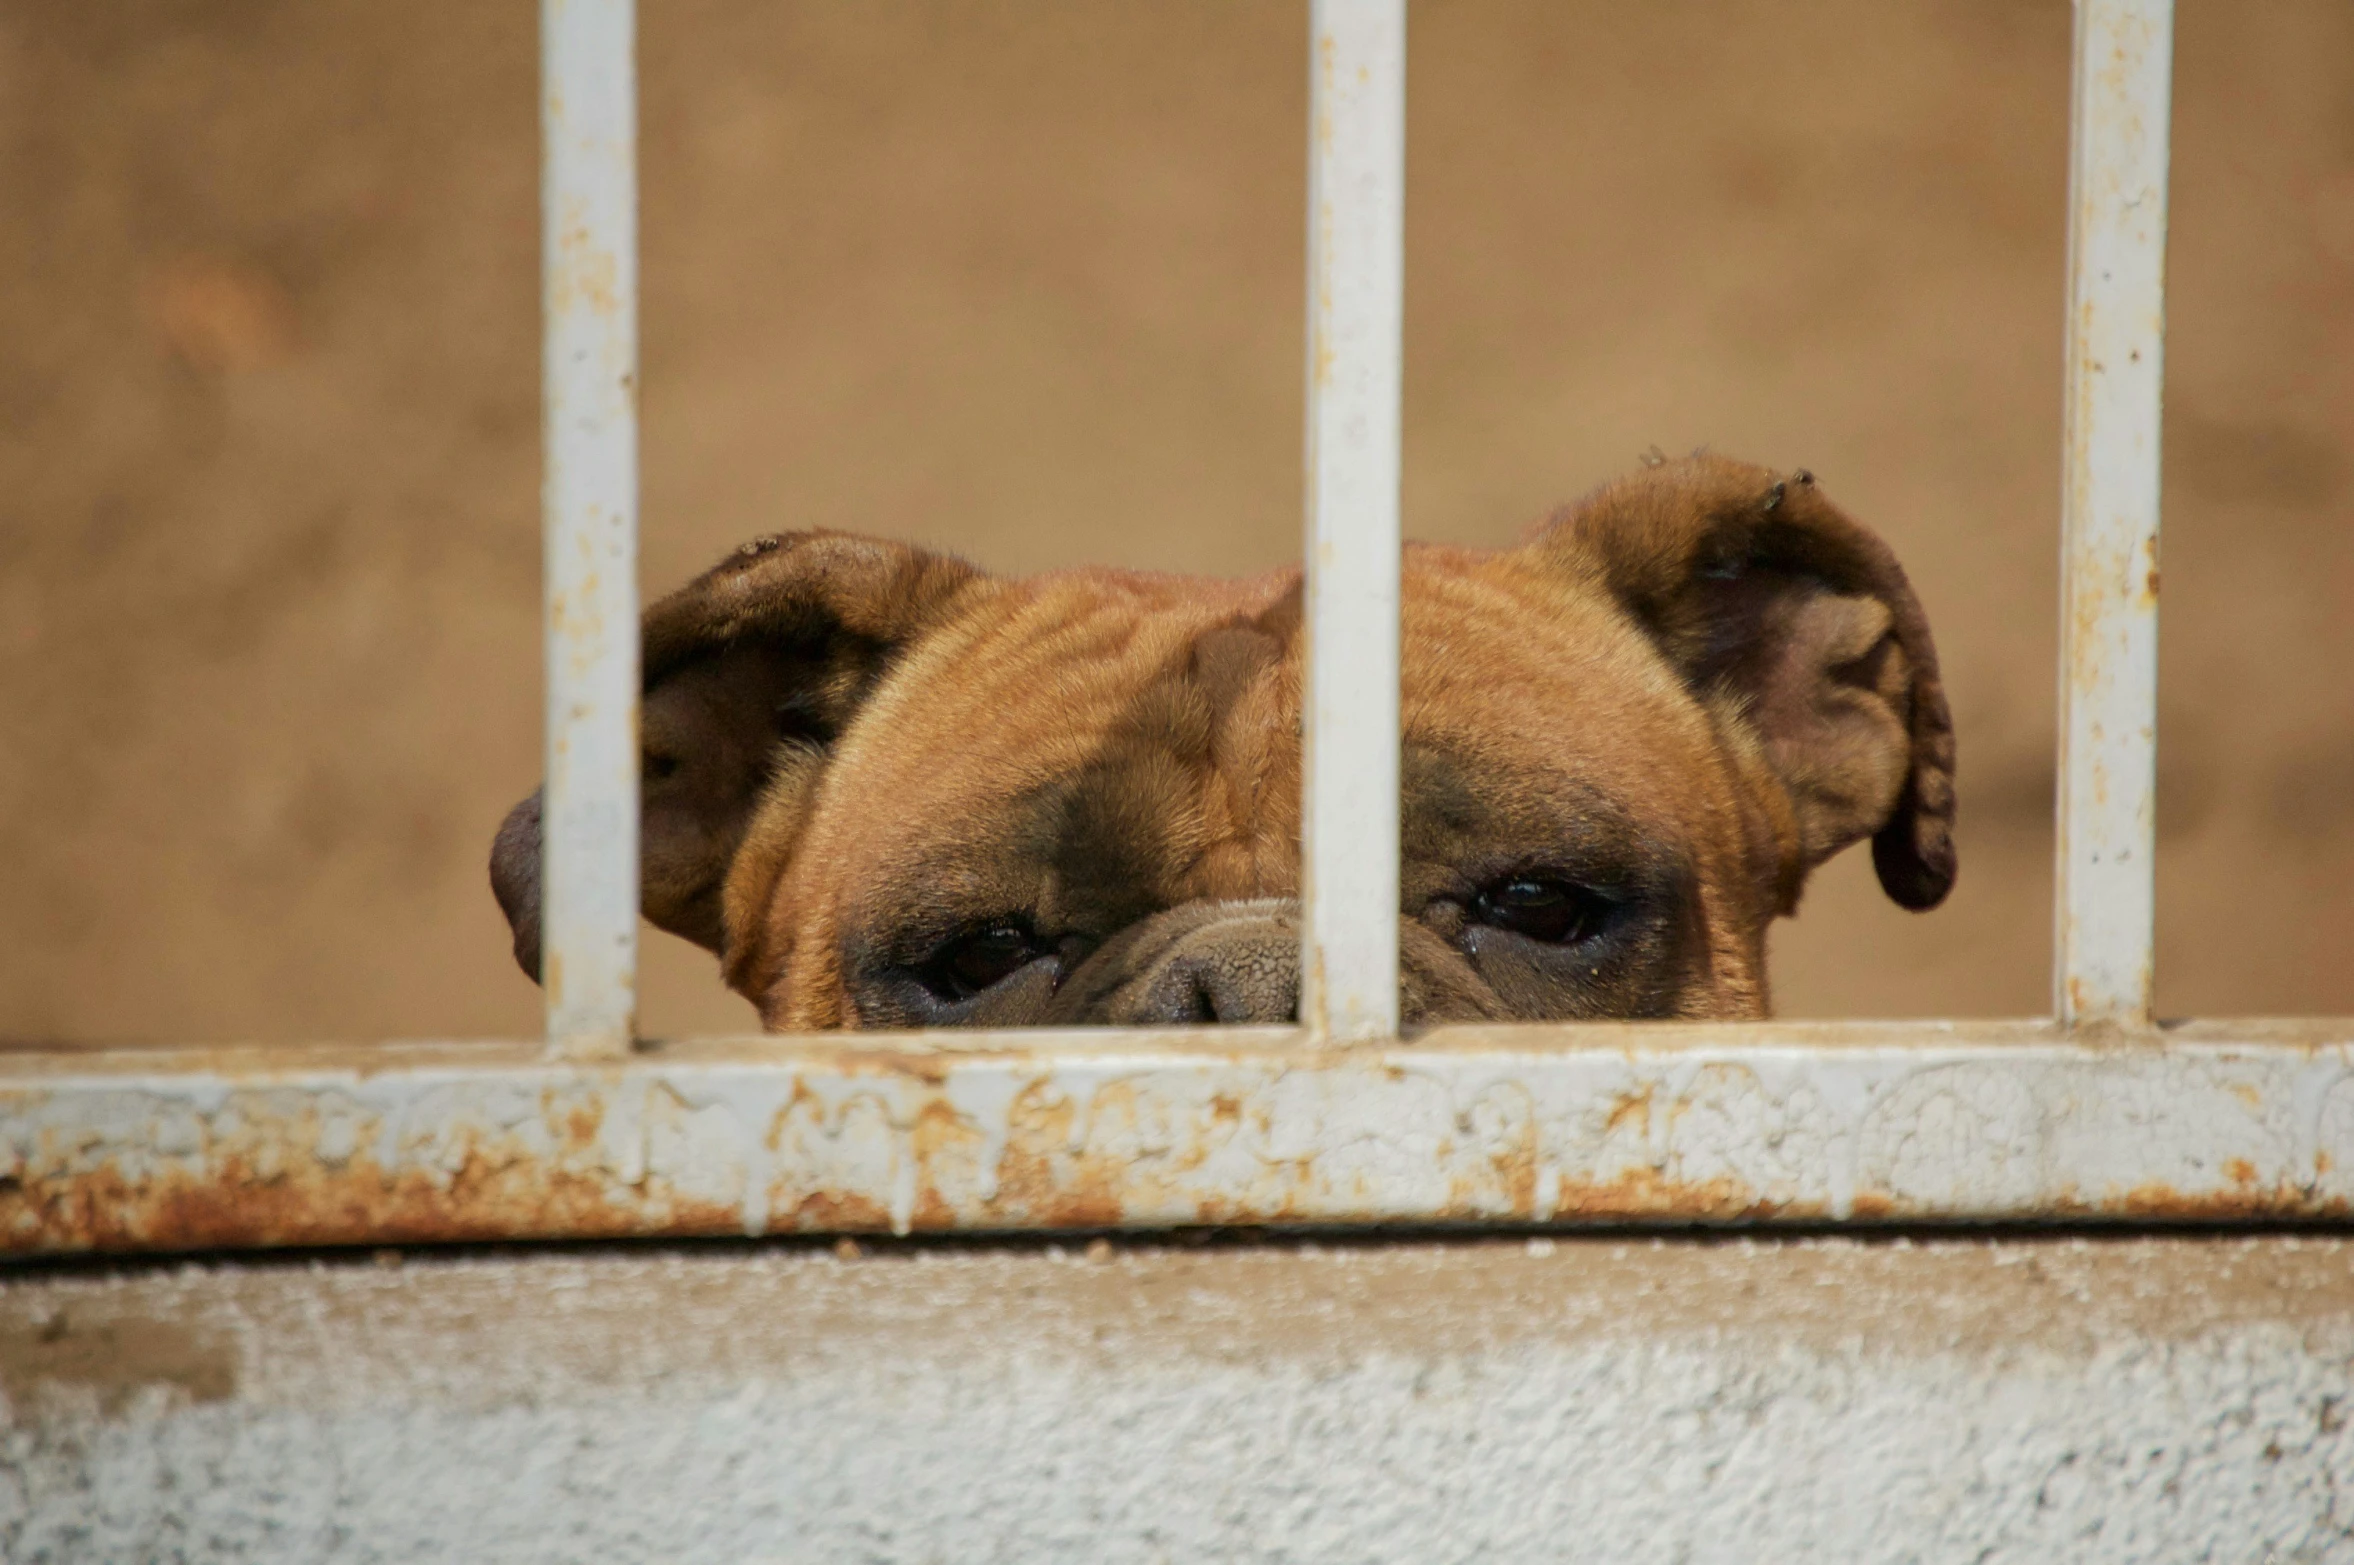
[[1089, 752], [1093, 753]]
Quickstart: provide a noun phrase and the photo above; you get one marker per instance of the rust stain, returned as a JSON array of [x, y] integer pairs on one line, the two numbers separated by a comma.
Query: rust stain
[[1224, 1124], [582, 1123], [1516, 1172], [1645, 1193], [238, 1205], [932, 1070], [250, 1198], [799, 1104], [2250, 1200], [1040, 1177], [1627, 1109], [940, 1133], [864, 1136], [827, 1211]]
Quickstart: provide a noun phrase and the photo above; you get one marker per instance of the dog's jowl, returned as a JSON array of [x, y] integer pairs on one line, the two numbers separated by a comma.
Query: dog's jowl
[[890, 790]]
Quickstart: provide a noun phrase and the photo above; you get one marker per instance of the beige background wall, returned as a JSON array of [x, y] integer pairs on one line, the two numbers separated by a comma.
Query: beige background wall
[[1023, 281]]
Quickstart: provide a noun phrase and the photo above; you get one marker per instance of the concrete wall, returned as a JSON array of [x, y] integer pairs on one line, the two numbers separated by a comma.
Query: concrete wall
[[2030, 1400]]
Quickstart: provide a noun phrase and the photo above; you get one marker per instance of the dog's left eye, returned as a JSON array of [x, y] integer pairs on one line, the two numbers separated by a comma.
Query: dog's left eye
[[981, 959], [1556, 912]]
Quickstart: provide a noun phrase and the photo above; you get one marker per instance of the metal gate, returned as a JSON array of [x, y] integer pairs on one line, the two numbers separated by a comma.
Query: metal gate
[[2097, 1112]]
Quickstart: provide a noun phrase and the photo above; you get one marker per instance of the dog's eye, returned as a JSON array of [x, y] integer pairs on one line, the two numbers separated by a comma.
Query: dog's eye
[[1553, 911], [981, 959], [660, 767]]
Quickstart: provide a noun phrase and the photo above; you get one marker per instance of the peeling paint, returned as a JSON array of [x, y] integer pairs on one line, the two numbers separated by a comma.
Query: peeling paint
[[2105, 894], [1629, 1123], [1355, 348], [589, 523]]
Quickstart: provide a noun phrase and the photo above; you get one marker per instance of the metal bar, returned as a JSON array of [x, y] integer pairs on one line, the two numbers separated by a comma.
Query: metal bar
[[1658, 1122], [588, 121], [1349, 741], [2106, 890]]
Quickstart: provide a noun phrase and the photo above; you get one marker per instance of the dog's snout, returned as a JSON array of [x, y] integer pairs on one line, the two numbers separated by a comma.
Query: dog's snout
[[1231, 982], [1207, 962], [514, 879], [1239, 963]]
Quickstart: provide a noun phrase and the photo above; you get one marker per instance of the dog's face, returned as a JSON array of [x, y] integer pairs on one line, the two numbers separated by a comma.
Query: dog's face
[[891, 791]]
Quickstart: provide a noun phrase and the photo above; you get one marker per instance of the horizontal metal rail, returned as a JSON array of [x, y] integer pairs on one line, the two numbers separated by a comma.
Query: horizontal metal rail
[[1927, 1122]]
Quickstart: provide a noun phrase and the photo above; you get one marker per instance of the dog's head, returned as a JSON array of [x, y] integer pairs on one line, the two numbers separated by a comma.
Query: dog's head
[[892, 791]]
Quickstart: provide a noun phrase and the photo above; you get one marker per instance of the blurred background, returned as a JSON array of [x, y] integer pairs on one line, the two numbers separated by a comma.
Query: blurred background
[[1023, 280]]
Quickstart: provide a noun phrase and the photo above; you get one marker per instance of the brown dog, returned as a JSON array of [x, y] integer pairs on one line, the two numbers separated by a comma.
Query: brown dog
[[892, 791]]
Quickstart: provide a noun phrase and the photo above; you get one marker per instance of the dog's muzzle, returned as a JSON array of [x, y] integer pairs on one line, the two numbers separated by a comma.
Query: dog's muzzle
[[1239, 963], [1203, 962]]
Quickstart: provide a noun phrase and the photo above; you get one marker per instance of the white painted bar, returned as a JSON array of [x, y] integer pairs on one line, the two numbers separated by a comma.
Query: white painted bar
[[2106, 894], [1349, 743], [1629, 1122], [588, 120]]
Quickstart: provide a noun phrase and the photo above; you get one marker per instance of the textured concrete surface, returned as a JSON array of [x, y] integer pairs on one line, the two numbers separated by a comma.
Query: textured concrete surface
[[2044, 1399]]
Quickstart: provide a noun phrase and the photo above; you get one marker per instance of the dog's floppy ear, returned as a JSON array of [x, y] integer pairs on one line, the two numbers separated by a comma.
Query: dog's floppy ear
[[753, 668], [1758, 588]]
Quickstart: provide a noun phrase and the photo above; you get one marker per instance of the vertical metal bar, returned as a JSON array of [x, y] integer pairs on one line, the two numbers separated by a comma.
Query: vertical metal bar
[[588, 194], [1356, 284], [2106, 896]]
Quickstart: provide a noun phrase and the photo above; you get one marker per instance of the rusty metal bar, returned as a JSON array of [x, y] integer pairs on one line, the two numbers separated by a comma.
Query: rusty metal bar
[[588, 122], [1927, 1122], [1349, 742], [2106, 891]]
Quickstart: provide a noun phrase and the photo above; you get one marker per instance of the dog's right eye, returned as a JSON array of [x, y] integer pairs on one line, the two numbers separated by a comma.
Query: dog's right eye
[[1555, 912], [981, 959], [659, 768]]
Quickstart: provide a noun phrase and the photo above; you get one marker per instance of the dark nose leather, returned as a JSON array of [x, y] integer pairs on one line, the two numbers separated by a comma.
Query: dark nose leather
[[1206, 962], [514, 880], [1239, 962], [1214, 986]]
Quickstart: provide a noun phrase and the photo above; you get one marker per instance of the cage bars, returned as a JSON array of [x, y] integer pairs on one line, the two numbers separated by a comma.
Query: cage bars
[[589, 811], [1921, 1121], [1349, 728], [2105, 886], [1349, 875]]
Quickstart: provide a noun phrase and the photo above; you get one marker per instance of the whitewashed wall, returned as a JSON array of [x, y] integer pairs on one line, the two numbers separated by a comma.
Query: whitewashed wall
[[2029, 1400]]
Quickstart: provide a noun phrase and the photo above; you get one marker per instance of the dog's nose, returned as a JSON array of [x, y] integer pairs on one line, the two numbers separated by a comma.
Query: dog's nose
[[1224, 962], [514, 880], [1226, 984], [1240, 962]]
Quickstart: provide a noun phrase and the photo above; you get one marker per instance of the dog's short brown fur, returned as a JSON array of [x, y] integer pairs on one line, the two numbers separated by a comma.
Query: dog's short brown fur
[[890, 790]]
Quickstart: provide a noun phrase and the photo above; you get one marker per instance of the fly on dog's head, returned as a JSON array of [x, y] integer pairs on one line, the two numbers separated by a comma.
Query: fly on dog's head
[[890, 791]]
